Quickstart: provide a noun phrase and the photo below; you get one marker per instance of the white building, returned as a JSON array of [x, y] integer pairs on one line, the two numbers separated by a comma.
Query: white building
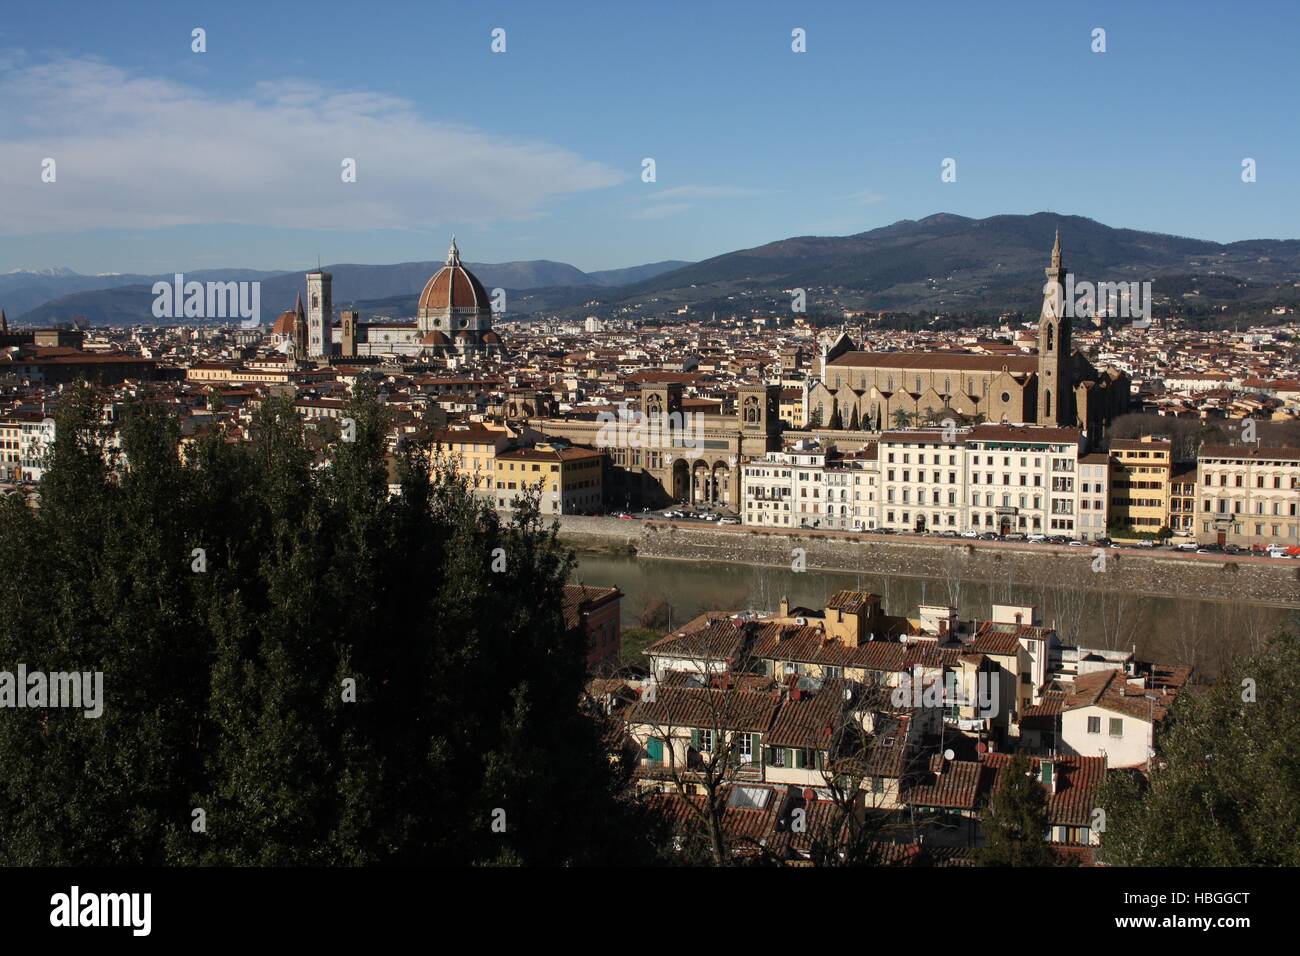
[[1094, 496], [922, 480], [851, 488], [784, 489], [1112, 710], [1023, 479]]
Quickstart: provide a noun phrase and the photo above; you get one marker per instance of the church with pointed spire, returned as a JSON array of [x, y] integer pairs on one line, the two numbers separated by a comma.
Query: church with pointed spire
[[1055, 385]]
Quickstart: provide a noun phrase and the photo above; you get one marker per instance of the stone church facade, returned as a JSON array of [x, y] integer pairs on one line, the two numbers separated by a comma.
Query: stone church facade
[[1057, 386]]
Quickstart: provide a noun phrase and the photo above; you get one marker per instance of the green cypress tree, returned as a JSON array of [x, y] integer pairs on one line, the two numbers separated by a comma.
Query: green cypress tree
[[351, 678], [1014, 824]]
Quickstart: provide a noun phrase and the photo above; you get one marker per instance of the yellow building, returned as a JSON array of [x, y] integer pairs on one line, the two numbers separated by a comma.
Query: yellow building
[[791, 409], [11, 436], [1140, 477], [570, 480], [210, 372], [471, 448]]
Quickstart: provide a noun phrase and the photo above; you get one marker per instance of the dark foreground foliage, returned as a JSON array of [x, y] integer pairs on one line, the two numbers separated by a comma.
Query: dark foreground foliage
[[224, 689]]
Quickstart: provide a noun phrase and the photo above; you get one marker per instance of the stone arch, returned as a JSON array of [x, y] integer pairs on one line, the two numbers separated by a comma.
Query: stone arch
[[681, 481], [720, 476], [701, 480]]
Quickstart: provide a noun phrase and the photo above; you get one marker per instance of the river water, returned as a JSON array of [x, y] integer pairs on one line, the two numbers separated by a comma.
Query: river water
[[1171, 630]]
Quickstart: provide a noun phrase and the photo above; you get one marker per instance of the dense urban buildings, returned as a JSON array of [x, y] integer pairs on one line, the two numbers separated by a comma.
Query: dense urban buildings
[[778, 423]]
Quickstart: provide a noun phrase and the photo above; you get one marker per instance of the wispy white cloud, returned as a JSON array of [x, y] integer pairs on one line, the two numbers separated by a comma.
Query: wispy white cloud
[[661, 210], [867, 197], [662, 203], [136, 151], [703, 192]]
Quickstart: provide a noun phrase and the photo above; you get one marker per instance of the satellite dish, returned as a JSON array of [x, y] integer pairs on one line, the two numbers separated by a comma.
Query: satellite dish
[[948, 754]]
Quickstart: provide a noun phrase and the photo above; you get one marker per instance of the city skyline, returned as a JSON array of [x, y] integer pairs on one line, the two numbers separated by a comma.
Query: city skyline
[[172, 159], [656, 437]]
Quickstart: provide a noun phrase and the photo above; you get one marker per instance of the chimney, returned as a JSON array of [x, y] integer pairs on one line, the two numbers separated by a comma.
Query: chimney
[[785, 606]]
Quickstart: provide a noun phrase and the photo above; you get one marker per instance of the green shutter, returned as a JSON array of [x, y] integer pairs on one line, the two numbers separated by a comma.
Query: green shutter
[[695, 739], [654, 748], [769, 755]]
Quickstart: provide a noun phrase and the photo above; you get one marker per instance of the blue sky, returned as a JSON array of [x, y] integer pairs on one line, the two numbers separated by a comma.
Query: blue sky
[[168, 159]]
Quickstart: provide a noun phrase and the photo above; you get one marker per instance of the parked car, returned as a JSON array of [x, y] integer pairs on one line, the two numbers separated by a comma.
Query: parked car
[[728, 521], [624, 516], [970, 534], [1036, 538]]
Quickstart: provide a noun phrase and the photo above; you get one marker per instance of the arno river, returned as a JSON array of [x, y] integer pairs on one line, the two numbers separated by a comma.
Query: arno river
[[1167, 629]]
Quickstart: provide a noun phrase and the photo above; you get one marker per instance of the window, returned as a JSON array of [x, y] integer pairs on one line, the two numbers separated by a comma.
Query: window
[[1094, 725], [1116, 727], [704, 741]]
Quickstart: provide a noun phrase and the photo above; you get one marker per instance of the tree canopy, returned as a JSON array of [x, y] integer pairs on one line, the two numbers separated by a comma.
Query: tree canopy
[[1224, 787], [1015, 822], [298, 667]]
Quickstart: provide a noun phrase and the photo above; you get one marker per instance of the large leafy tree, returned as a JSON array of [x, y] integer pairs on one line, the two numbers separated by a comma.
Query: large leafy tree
[[1224, 787], [299, 667]]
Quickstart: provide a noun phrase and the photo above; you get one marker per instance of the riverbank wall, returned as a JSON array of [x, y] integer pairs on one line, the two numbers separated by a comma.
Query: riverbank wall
[[1265, 581]]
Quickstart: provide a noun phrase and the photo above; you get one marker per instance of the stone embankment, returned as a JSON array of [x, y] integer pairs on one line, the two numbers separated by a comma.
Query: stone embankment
[[1160, 573]]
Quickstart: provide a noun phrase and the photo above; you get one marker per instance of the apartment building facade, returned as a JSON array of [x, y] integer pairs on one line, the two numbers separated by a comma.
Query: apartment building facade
[[1024, 480], [922, 480], [988, 478], [1182, 499], [25, 439], [1140, 473], [1094, 496], [1250, 497], [568, 480]]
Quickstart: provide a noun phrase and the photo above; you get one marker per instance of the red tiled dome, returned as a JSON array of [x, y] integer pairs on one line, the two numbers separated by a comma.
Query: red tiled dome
[[284, 324], [490, 338], [453, 287], [434, 338]]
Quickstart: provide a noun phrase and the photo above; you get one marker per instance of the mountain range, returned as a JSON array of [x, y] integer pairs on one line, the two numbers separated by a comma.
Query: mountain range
[[952, 263], [943, 262], [53, 295]]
